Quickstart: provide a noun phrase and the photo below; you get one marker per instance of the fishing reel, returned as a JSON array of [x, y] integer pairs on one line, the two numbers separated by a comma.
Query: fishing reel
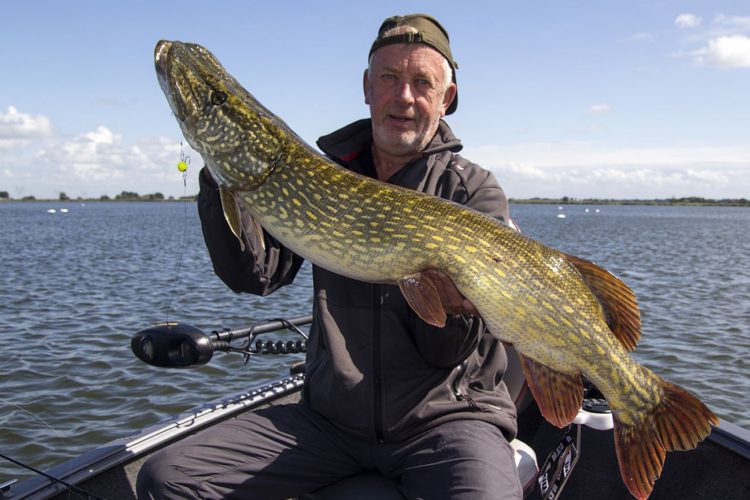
[[179, 345]]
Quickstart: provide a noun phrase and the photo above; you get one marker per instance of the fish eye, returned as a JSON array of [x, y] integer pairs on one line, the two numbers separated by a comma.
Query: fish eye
[[218, 97]]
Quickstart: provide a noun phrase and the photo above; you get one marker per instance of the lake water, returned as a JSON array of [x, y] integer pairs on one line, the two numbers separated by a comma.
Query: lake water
[[76, 286]]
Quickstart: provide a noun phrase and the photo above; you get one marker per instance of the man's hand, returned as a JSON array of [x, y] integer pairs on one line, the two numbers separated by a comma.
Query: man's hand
[[453, 301]]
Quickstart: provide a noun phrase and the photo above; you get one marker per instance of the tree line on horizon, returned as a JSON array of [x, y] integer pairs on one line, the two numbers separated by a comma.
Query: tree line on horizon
[[123, 196], [565, 200], [685, 200]]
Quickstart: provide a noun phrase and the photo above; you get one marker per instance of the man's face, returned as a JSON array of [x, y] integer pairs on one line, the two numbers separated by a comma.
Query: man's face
[[405, 91]]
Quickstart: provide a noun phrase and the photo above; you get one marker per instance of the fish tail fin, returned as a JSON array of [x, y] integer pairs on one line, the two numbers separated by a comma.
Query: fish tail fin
[[679, 422]]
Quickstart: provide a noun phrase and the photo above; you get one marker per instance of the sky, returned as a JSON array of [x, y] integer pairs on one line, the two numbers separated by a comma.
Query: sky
[[585, 99]]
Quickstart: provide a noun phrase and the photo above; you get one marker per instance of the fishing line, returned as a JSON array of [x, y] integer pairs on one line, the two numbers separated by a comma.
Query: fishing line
[[182, 167], [71, 487]]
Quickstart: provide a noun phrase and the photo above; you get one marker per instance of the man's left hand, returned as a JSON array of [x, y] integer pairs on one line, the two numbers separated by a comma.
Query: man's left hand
[[453, 301]]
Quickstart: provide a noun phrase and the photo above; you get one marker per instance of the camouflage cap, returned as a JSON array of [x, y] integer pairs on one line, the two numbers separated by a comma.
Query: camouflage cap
[[426, 30]]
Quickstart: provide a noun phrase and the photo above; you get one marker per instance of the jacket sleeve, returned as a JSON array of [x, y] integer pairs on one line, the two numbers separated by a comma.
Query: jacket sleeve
[[449, 346], [255, 270]]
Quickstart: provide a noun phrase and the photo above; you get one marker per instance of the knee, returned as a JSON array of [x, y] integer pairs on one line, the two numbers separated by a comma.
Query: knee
[[154, 479]]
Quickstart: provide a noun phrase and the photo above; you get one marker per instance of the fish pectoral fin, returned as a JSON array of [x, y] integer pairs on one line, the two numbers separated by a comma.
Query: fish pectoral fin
[[617, 299], [422, 295], [232, 214], [559, 395], [259, 233]]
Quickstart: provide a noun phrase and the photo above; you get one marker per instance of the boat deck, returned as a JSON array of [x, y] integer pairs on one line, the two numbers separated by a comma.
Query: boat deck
[[718, 468]]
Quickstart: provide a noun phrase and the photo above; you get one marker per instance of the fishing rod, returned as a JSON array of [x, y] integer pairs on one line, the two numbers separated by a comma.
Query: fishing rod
[[179, 345], [72, 488]]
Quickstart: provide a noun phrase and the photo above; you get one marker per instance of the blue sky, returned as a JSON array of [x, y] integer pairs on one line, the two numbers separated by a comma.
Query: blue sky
[[606, 99]]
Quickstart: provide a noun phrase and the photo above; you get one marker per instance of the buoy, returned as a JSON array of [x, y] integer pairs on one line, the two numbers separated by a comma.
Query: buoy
[[560, 216], [51, 211]]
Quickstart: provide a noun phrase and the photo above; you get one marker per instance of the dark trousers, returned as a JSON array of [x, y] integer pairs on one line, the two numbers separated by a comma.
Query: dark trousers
[[286, 451]]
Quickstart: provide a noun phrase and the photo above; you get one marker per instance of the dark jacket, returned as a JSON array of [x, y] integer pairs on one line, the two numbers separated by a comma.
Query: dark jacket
[[374, 367]]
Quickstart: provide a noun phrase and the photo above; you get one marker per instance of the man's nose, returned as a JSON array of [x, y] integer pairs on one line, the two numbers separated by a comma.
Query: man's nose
[[405, 93]]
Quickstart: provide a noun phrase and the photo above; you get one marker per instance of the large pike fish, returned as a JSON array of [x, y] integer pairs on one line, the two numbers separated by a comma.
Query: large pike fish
[[566, 316]]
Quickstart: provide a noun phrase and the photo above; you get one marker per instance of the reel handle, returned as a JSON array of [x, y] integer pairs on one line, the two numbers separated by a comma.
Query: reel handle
[[173, 345], [179, 345]]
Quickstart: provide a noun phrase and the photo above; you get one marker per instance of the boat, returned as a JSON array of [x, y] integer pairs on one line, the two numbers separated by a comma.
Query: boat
[[572, 463]]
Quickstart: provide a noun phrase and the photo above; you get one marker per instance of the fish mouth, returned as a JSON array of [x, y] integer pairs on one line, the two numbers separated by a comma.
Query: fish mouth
[[163, 66], [161, 54]]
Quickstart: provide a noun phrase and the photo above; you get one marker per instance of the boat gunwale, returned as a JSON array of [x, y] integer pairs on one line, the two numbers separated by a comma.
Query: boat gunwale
[[732, 437], [124, 450]]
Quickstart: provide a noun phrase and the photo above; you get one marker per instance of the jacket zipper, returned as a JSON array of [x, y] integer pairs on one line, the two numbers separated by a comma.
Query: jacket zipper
[[460, 396], [377, 382]]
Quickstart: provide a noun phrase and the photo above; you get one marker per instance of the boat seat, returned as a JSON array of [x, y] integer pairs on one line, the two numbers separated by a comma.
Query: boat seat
[[595, 414], [373, 486]]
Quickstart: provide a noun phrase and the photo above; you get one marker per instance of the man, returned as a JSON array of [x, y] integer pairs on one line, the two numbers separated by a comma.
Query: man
[[384, 391]]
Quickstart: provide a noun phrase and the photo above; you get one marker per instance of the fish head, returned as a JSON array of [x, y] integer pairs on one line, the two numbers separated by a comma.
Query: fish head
[[241, 142]]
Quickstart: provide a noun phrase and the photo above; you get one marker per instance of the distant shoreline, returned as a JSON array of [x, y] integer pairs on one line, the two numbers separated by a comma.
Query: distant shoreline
[[96, 200], [123, 196], [689, 201]]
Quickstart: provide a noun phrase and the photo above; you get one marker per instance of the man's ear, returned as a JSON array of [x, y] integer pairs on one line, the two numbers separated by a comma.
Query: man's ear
[[450, 94], [366, 86]]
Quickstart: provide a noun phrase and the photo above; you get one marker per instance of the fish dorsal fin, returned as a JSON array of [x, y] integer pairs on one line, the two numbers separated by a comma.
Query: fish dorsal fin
[[559, 395], [421, 293], [617, 299]]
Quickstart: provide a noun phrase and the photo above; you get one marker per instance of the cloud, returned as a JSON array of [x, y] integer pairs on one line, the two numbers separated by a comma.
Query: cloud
[[92, 163], [599, 108], [725, 44], [18, 129], [687, 21], [725, 52], [101, 156], [90, 156], [590, 170], [735, 22], [15, 125]]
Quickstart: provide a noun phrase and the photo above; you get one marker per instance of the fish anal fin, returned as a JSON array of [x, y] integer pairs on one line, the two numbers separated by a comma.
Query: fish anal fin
[[422, 295], [617, 299], [559, 395], [679, 422], [232, 214]]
